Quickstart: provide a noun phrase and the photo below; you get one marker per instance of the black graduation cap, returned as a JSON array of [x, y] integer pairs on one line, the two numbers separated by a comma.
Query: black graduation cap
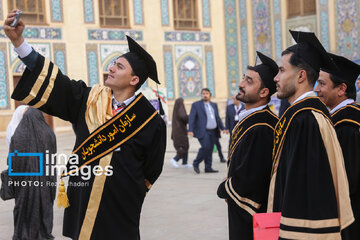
[[347, 69], [267, 71], [143, 65], [141, 62], [309, 48]]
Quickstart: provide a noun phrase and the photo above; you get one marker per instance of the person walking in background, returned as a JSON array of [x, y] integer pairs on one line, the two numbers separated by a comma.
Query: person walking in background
[[14, 122], [249, 167], [33, 211], [232, 114], [205, 124], [336, 88], [218, 145], [179, 134]]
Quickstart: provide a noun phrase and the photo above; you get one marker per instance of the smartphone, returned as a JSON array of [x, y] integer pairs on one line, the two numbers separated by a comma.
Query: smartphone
[[16, 20]]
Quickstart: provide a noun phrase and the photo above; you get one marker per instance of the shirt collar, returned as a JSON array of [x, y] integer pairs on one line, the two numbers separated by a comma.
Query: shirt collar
[[307, 94], [246, 113], [342, 104], [126, 102]]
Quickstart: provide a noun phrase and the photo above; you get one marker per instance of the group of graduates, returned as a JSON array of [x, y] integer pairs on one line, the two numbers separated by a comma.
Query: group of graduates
[[306, 164]]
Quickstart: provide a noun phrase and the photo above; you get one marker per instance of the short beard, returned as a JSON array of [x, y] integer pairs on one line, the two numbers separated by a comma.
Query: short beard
[[287, 91], [248, 98]]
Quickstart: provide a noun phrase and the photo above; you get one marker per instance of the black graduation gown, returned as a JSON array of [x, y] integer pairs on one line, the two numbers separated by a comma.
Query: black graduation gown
[[247, 185], [302, 186], [140, 158], [347, 125]]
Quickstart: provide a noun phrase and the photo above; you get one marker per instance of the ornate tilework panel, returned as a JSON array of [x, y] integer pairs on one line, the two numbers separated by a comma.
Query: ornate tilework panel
[[179, 36], [347, 28], [109, 52], [206, 13], [324, 23], [60, 56], [165, 12], [169, 72], [277, 29], [231, 33], [262, 27], [210, 69], [306, 24], [56, 11], [92, 61], [189, 76], [4, 78], [1, 10], [42, 33], [89, 11], [43, 48], [181, 50], [138, 12], [111, 34], [19, 67], [244, 43], [38, 33]]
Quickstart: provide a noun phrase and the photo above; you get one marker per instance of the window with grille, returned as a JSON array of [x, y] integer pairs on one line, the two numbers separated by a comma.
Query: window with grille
[[33, 11], [114, 13], [301, 8], [185, 14]]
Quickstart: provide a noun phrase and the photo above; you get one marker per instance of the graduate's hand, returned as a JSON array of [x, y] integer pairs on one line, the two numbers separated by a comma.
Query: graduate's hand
[[14, 33], [190, 134], [226, 131]]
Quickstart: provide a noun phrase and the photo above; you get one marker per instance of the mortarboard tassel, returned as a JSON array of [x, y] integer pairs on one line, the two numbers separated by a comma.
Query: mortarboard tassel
[[62, 199]]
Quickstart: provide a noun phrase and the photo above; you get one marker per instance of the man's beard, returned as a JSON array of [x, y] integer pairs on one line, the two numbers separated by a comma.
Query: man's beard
[[246, 98], [287, 91]]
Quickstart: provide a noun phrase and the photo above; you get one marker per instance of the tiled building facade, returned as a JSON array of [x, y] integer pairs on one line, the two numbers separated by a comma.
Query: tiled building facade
[[210, 48]]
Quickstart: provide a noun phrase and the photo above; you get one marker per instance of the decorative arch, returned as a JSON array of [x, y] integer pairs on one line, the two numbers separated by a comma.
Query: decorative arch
[[109, 59], [189, 69], [18, 67]]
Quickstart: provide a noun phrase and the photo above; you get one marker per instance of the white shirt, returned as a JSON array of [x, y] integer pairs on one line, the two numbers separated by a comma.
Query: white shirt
[[126, 102], [246, 113], [305, 95], [342, 104], [23, 50]]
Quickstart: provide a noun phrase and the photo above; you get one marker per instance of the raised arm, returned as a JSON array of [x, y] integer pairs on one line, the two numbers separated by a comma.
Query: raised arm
[[42, 84]]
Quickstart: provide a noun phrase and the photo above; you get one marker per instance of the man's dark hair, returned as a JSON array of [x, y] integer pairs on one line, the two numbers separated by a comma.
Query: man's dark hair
[[350, 88], [297, 61], [268, 98], [207, 90]]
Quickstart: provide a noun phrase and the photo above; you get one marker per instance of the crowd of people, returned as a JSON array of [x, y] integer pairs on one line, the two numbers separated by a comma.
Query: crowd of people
[[304, 163]]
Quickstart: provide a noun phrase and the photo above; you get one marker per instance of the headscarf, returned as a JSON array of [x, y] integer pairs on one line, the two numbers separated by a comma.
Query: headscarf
[[14, 122], [33, 211]]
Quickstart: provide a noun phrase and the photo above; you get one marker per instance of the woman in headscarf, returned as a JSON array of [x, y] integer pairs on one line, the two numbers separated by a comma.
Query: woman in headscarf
[[33, 211], [179, 134], [14, 122]]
